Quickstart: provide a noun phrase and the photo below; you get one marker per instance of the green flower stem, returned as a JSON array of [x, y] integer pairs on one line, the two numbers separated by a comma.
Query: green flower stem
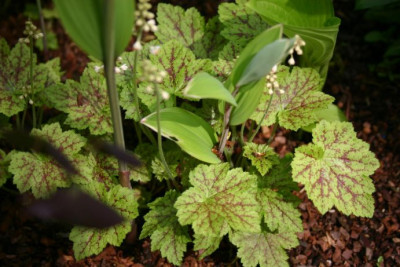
[[109, 64], [272, 134], [134, 77], [31, 79], [159, 138], [18, 121], [42, 27], [241, 136], [262, 119]]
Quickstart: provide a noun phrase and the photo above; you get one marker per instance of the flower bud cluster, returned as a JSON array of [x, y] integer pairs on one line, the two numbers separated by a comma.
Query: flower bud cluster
[[118, 69], [152, 75], [298, 43], [144, 20], [272, 82], [24, 95], [31, 31]]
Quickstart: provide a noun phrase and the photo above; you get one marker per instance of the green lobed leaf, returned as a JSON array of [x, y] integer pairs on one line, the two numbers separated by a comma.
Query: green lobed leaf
[[85, 22], [4, 49], [85, 102], [220, 199], [167, 235], [89, 241], [205, 86], [335, 168], [206, 244], [241, 23], [262, 156], [43, 174], [189, 131], [4, 162], [279, 215], [298, 105], [315, 23], [264, 249], [187, 27]]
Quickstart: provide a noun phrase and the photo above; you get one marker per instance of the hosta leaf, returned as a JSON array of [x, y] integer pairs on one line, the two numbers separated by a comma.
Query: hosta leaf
[[187, 27], [278, 214], [212, 42], [265, 249], [335, 169], [206, 244], [89, 241], [85, 102], [241, 23], [262, 156], [166, 233], [220, 198], [205, 86], [189, 131], [299, 104], [43, 174]]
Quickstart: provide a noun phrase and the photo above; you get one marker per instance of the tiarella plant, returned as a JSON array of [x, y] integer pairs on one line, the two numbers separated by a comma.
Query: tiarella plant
[[197, 95]]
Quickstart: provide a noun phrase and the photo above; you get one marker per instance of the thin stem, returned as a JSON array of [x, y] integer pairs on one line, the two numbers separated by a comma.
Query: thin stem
[[241, 134], [134, 78], [40, 119], [159, 137], [18, 121], [148, 134], [109, 64], [138, 132], [44, 40], [262, 119], [272, 134], [33, 116]]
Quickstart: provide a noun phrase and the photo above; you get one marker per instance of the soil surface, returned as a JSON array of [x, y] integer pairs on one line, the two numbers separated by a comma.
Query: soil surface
[[369, 101]]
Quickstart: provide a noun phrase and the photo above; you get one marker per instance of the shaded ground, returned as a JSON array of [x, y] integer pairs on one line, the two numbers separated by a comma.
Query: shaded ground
[[370, 102]]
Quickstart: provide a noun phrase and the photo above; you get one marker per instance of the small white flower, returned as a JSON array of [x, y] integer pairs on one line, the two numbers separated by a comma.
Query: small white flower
[[117, 70], [165, 95], [21, 97], [281, 91], [163, 73], [149, 89], [146, 28], [137, 45], [291, 60], [270, 91], [98, 68], [124, 67], [274, 68], [154, 49], [31, 101]]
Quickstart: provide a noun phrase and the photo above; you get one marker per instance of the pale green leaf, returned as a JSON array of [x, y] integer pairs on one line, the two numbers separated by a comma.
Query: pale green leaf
[[206, 244], [85, 102], [262, 156], [279, 215], [167, 235], [264, 249], [300, 102], [220, 199], [85, 22], [189, 131], [43, 174], [212, 42], [4, 49], [335, 168], [89, 241], [187, 27], [241, 23], [203, 85]]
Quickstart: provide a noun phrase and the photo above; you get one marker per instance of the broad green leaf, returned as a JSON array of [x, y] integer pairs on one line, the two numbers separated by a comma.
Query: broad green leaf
[[247, 99], [335, 168], [332, 113], [43, 174], [220, 199], [212, 42], [85, 22], [262, 156], [298, 105], [186, 27], [106, 170], [89, 241], [159, 170], [167, 235], [206, 244], [4, 162], [262, 63], [4, 49], [209, 112], [203, 85], [85, 102], [314, 21], [188, 130], [252, 48], [241, 23], [264, 249], [279, 215]]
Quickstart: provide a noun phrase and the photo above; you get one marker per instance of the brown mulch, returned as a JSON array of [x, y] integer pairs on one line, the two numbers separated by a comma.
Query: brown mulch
[[333, 239]]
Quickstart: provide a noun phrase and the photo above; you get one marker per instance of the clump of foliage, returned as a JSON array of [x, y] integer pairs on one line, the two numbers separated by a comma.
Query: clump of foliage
[[197, 84]]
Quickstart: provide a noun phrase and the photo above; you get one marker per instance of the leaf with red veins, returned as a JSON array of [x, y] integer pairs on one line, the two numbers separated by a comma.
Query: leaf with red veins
[[220, 199], [263, 249], [300, 102], [335, 170], [86, 102], [43, 174], [89, 241], [279, 214]]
